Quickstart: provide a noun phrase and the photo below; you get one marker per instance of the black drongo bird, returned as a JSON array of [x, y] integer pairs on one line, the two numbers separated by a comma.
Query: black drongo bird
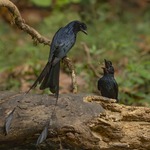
[[107, 84], [62, 42]]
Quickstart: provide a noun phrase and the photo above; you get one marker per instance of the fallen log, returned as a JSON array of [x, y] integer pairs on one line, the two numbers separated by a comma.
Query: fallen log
[[82, 122]]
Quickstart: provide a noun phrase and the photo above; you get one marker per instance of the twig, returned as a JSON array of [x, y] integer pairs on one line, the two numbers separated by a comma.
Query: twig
[[19, 21], [87, 51], [70, 65]]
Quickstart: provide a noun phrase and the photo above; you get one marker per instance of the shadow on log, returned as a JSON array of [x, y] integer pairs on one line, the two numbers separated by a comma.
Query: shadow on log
[[82, 122]]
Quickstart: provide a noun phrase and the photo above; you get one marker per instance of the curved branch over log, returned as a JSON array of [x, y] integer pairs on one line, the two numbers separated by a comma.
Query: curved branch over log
[[82, 122], [20, 22]]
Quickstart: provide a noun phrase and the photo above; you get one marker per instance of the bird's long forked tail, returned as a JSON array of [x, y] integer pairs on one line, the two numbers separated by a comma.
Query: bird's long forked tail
[[55, 80], [51, 80], [41, 76]]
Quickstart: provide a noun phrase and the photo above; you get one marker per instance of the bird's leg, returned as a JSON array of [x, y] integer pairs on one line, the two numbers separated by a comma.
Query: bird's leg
[[70, 65]]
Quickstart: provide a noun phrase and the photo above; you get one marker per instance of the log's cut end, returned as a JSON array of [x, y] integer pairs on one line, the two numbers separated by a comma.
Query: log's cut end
[[81, 122]]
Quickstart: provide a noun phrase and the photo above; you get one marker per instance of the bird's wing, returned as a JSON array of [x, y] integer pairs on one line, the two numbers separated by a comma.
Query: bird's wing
[[101, 83], [54, 44], [116, 89], [62, 42], [104, 84]]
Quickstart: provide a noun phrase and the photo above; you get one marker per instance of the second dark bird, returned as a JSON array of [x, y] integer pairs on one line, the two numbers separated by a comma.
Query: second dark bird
[[62, 42], [107, 85]]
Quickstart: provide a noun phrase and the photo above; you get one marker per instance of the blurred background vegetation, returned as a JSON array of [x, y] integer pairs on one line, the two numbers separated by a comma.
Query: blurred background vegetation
[[118, 30]]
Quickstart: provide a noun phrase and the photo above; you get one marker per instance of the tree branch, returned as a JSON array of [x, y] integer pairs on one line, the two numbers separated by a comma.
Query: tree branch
[[87, 51], [69, 64], [20, 22]]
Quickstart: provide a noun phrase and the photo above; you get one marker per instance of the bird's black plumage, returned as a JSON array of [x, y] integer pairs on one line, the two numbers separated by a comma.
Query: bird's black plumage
[[62, 42], [107, 85]]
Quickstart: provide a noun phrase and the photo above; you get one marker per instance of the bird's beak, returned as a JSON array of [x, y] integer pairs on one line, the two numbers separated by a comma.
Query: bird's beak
[[106, 63], [84, 31]]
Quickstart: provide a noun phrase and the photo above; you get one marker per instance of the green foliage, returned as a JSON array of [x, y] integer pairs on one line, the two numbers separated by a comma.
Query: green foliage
[[65, 2], [59, 3], [135, 82], [41, 2]]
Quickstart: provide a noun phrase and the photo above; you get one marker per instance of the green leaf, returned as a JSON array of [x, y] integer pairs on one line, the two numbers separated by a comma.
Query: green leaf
[[41, 2]]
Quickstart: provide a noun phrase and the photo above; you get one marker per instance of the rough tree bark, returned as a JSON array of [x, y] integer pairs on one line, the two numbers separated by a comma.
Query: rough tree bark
[[82, 122]]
